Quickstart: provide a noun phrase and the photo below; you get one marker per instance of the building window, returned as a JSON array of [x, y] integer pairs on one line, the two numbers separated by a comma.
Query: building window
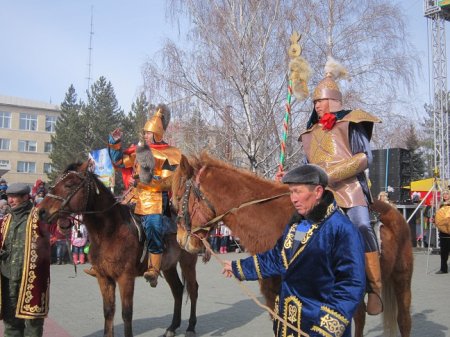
[[50, 122], [4, 163], [48, 147], [27, 146], [5, 144], [47, 168], [26, 167], [28, 122], [5, 120]]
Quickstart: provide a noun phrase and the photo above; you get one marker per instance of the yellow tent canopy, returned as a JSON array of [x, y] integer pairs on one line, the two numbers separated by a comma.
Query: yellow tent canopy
[[425, 185]]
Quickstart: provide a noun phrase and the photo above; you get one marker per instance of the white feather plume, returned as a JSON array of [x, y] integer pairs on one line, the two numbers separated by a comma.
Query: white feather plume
[[335, 69]]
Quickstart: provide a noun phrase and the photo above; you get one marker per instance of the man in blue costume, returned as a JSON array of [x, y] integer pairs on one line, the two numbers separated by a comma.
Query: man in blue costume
[[320, 259]]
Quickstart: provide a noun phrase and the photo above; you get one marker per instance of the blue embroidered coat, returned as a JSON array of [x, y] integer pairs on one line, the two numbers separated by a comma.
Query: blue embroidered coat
[[321, 264]]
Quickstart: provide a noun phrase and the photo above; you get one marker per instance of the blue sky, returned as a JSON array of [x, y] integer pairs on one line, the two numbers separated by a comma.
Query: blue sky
[[44, 46]]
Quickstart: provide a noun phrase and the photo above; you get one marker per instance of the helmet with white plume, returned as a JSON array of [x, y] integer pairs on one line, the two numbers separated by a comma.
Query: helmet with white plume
[[328, 88]]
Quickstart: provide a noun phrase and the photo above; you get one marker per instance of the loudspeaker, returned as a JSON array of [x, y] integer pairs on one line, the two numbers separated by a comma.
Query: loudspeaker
[[391, 169]]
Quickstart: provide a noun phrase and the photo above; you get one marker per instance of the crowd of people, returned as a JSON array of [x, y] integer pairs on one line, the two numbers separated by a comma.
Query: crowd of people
[[223, 241]]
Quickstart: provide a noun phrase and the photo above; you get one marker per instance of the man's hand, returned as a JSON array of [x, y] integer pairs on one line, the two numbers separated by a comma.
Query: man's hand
[[227, 270], [279, 175], [117, 134]]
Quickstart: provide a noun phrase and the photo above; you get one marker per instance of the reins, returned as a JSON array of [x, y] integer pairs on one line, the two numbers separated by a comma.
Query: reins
[[250, 294], [207, 226]]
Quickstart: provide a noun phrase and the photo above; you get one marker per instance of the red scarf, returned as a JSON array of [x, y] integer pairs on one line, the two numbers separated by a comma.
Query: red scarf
[[328, 120]]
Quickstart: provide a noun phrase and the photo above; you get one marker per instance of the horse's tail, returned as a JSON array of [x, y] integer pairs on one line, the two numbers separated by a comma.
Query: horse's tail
[[390, 310]]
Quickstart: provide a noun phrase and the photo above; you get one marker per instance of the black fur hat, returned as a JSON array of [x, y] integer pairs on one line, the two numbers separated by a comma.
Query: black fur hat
[[308, 174]]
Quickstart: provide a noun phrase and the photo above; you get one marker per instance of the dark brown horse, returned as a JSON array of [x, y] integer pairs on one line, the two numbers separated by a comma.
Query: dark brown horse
[[257, 211], [117, 246]]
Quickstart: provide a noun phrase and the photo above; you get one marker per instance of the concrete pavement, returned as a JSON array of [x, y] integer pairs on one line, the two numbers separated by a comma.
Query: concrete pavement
[[223, 309]]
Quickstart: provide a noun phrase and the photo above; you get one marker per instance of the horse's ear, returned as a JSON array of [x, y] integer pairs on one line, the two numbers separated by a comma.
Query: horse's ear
[[185, 167], [85, 166]]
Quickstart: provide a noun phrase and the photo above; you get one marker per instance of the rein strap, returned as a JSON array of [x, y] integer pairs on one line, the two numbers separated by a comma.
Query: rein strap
[[207, 226]]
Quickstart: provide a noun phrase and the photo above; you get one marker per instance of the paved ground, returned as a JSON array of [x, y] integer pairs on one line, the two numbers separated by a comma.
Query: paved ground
[[223, 309]]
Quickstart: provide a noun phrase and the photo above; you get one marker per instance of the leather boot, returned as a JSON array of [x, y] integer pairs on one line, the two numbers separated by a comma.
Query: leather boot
[[154, 266], [373, 272], [91, 271]]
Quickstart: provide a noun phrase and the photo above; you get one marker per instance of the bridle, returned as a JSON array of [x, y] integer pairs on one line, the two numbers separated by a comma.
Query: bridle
[[184, 214], [194, 186], [87, 182]]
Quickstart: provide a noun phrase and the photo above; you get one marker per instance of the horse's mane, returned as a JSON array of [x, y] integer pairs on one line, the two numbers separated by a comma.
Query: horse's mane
[[206, 160]]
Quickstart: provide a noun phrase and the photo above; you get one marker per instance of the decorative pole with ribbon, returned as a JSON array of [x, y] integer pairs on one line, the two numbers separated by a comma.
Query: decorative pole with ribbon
[[299, 73]]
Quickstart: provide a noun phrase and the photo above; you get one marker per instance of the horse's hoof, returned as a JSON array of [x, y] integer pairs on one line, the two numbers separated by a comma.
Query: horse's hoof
[[169, 333], [190, 334]]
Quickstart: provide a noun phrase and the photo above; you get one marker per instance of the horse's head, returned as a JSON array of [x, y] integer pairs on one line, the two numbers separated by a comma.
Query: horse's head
[[68, 195], [193, 208]]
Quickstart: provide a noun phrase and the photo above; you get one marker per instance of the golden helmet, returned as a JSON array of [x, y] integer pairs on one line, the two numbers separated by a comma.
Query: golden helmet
[[328, 88], [158, 122]]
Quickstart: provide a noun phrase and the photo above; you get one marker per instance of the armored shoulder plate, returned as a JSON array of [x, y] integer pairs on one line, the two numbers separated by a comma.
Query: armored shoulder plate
[[358, 116]]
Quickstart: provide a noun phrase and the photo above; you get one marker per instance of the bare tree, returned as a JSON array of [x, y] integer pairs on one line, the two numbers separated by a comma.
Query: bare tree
[[234, 67]]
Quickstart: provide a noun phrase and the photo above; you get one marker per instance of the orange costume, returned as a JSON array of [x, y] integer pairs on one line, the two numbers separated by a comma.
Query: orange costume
[[151, 166]]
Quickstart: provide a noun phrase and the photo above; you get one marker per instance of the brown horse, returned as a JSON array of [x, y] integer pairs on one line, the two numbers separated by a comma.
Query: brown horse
[[257, 211], [117, 246]]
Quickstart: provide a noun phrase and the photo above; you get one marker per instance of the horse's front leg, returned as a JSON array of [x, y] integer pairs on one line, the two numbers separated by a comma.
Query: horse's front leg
[[188, 263], [126, 288], [360, 319], [108, 288], [172, 278]]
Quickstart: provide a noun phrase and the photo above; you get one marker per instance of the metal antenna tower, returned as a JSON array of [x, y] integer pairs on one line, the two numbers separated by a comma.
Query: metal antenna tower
[[438, 11], [90, 49]]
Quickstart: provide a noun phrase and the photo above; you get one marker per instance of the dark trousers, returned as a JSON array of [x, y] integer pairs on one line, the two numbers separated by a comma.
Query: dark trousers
[[13, 326], [61, 250], [214, 243], [444, 251]]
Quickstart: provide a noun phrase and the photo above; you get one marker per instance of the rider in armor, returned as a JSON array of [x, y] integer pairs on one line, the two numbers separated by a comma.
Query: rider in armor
[[338, 141], [150, 166]]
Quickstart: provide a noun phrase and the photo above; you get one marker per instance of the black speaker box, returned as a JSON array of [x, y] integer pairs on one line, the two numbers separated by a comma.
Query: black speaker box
[[391, 169]]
